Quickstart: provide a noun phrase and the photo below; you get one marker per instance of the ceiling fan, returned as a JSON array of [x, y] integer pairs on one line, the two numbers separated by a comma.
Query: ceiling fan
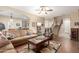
[[44, 9]]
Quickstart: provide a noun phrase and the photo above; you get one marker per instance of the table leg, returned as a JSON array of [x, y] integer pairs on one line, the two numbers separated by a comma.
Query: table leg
[[28, 46], [48, 42]]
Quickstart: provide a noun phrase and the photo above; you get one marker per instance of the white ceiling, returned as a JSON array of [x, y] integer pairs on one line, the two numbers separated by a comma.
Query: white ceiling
[[8, 12], [57, 10]]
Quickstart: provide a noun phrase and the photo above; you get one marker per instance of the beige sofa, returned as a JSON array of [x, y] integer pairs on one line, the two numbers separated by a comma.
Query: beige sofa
[[19, 39], [21, 36]]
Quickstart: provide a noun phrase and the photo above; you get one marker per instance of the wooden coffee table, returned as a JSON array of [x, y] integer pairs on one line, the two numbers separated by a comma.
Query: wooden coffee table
[[38, 43]]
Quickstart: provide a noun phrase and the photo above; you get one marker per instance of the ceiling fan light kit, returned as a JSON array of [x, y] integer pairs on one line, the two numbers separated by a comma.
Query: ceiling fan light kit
[[44, 9]]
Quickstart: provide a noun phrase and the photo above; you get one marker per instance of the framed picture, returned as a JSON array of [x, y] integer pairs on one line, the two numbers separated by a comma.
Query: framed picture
[[76, 23], [17, 24]]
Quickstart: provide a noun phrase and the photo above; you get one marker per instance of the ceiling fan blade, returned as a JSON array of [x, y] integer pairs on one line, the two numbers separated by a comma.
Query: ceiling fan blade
[[37, 9], [50, 10]]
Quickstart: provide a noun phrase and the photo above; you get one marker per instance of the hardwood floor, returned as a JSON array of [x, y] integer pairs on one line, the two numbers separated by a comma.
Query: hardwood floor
[[68, 45]]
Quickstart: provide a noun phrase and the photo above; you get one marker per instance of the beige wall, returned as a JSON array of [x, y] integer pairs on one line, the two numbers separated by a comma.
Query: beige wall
[[48, 22], [34, 20], [8, 24], [74, 17]]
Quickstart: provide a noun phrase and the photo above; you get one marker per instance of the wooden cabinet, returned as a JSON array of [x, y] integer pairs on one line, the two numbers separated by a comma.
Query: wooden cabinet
[[75, 34]]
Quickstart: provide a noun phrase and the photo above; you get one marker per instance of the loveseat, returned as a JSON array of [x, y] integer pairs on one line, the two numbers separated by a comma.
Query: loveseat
[[5, 45]]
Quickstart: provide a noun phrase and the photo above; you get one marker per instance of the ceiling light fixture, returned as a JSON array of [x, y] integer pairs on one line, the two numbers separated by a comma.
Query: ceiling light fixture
[[44, 9]]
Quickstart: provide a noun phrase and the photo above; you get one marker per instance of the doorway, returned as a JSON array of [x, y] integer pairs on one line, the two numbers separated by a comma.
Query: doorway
[[66, 25], [65, 28]]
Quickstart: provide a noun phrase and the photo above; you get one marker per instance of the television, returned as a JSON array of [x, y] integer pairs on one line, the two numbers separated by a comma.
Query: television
[[2, 26]]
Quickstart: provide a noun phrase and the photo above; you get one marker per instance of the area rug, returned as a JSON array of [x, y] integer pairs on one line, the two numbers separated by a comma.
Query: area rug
[[52, 48]]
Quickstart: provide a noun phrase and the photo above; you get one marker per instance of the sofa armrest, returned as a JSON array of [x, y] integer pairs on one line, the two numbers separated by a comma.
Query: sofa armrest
[[21, 40]]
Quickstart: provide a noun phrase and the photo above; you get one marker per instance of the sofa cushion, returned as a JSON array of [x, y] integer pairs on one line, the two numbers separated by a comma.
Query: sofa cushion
[[23, 32], [8, 48], [14, 32]]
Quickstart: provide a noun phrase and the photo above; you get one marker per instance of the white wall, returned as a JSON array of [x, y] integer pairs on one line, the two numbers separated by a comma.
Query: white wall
[[48, 22]]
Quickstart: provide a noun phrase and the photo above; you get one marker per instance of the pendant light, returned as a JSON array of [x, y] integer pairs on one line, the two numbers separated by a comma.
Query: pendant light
[[11, 18]]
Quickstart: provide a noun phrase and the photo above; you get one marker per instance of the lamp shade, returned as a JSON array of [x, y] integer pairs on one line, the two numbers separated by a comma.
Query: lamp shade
[[38, 24]]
